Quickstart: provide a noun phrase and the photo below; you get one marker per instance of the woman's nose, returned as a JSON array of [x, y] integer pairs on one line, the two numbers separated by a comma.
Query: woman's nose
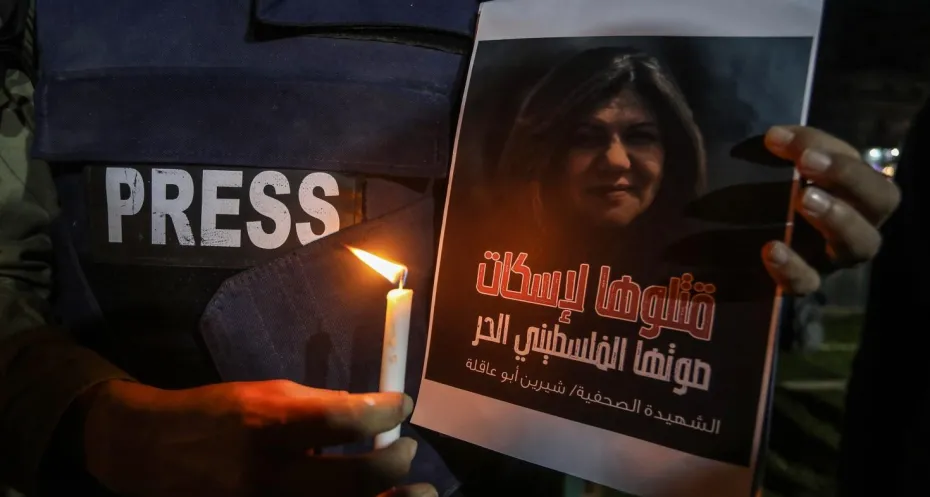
[[616, 154]]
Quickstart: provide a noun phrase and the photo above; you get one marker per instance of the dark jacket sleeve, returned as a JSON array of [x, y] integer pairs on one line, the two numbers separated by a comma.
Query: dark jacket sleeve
[[885, 447], [42, 372]]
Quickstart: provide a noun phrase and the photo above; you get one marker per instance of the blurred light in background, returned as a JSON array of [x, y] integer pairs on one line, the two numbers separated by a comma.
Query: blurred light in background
[[883, 160]]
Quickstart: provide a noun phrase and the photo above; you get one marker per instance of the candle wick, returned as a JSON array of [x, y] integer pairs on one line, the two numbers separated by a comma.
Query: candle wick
[[403, 279]]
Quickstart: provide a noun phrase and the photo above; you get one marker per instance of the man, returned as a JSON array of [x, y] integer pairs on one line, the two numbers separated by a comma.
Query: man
[[122, 397]]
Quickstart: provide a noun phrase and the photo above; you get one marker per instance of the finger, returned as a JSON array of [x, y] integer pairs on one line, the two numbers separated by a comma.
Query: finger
[[291, 389], [790, 142], [418, 490], [350, 476], [789, 270], [343, 419], [851, 238], [870, 192], [836, 166]]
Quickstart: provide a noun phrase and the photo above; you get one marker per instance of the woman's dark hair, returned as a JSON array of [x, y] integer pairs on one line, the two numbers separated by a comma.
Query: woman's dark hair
[[575, 89]]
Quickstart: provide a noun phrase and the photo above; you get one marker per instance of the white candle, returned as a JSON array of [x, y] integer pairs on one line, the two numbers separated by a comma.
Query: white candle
[[394, 353], [396, 332]]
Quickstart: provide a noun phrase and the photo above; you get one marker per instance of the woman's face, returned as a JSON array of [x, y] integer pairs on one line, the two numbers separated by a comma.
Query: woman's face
[[614, 162]]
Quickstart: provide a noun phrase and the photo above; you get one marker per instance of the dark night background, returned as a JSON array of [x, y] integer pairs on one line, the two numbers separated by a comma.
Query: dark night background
[[873, 69]]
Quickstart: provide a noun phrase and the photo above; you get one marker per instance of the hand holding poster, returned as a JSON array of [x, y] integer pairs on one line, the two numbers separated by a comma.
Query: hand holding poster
[[600, 305]]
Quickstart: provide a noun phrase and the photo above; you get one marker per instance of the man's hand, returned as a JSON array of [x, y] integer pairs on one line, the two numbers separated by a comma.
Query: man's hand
[[244, 440], [847, 202]]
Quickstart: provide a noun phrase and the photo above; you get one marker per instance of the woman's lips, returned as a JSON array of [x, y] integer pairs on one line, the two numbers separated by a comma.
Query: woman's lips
[[614, 192], [609, 189]]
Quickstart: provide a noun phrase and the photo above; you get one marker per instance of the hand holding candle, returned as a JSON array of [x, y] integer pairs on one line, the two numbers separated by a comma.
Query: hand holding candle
[[396, 332]]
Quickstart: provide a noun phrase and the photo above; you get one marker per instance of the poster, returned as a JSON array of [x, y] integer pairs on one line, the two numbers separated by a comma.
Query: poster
[[600, 305]]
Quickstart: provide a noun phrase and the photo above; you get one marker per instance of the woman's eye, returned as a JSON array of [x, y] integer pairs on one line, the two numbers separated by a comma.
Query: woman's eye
[[590, 137], [641, 137]]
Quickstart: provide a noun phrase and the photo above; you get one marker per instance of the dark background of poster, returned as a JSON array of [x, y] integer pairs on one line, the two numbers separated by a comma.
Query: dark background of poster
[[737, 89]]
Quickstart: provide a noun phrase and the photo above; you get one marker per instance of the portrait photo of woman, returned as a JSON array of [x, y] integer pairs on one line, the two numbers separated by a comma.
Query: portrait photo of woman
[[603, 146]]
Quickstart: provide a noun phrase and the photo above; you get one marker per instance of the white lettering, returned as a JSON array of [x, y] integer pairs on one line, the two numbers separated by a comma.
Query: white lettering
[[117, 207], [163, 207], [271, 208], [210, 235], [317, 207]]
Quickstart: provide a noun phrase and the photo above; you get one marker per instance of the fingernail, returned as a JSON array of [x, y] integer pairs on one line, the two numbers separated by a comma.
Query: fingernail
[[778, 254], [408, 406], [422, 490], [412, 449], [391, 400], [816, 201], [779, 136], [427, 492], [813, 161]]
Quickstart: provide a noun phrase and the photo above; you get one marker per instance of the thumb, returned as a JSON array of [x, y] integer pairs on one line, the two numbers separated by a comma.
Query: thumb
[[418, 490], [324, 420]]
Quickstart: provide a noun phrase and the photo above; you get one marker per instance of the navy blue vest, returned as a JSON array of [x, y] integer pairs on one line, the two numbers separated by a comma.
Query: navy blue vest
[[151, 109], [214, 158]]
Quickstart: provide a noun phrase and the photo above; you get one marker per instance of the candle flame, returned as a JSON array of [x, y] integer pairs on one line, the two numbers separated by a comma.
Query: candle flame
[[393, 272]]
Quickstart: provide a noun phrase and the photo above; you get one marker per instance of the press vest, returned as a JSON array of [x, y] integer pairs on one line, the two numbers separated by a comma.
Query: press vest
[[213, 161], [214, 158]]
